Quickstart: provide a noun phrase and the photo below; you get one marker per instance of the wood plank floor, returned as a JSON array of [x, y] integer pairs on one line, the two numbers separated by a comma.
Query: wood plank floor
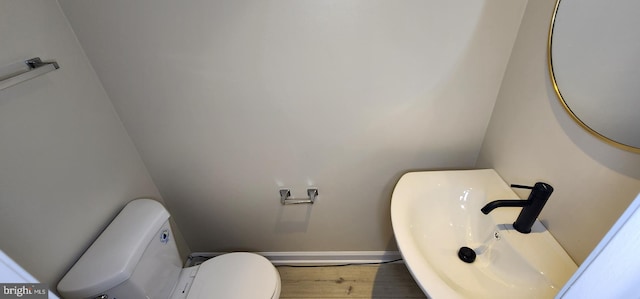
[[388, 281]]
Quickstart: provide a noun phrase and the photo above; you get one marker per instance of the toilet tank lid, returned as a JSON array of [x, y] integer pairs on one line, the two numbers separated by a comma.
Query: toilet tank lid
[[111, 259]]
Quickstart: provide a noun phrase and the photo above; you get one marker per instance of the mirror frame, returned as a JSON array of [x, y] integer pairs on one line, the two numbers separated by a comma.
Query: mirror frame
[[561, 98]]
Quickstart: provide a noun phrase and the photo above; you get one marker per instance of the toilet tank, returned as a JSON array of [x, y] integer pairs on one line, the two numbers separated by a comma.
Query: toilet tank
[[135, 257]]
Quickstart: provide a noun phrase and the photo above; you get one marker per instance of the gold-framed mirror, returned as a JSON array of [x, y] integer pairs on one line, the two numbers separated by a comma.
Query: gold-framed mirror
[[594, 62]]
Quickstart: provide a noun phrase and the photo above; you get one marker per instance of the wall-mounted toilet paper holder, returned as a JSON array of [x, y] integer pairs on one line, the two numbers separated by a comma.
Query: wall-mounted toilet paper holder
[[286, 193]]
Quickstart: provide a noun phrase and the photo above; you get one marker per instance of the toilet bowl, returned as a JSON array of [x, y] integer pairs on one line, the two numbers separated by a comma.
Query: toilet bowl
[[136, 257], [234, 276]]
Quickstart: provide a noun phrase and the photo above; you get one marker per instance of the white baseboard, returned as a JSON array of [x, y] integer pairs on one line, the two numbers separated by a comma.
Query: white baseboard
[[318, 257]]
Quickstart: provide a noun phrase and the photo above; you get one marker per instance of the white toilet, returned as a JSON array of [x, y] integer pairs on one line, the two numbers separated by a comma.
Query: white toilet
[[136, 257]]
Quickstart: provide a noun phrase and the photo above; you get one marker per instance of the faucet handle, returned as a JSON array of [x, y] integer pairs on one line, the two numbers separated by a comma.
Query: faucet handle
[[538, 187], [521, 186]]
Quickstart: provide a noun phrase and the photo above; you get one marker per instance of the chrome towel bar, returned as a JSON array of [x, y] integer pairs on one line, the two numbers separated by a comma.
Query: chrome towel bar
[[22, 71], [286, 193]]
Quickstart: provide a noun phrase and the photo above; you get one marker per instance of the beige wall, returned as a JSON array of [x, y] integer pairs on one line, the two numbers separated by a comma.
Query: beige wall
[[67, 166], [227, 101], [532, 138]]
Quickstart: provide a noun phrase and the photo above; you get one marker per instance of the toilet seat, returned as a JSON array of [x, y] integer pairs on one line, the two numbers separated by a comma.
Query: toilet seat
[[238, 275]]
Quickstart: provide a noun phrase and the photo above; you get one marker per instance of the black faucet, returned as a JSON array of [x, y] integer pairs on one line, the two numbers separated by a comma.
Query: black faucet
[[531, 207]]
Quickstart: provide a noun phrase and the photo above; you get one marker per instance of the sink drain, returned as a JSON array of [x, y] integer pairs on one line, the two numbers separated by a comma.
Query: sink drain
[[467, 254]]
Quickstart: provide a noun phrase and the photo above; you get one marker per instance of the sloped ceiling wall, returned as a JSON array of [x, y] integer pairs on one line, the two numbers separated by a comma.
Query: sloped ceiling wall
[[532, 138], [67, 165], [227, 101]]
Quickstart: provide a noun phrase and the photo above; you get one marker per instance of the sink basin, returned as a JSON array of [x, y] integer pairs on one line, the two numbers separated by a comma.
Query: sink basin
[[434, 213]]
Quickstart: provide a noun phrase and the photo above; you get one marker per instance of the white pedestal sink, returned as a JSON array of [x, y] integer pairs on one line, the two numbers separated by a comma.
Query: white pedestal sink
[[434, 213]]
